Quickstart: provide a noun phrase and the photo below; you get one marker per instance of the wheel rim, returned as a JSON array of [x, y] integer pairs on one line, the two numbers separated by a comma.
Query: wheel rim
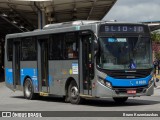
[[74, 92], [28, 89]]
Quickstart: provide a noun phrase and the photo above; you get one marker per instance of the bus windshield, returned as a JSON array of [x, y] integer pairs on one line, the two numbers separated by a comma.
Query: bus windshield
[[124, 53]]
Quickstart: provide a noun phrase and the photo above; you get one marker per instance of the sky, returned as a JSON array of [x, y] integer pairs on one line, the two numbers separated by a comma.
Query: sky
[[135, 11]]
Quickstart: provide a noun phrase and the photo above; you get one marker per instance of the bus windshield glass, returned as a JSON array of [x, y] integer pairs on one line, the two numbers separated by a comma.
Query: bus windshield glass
[[124, 53]]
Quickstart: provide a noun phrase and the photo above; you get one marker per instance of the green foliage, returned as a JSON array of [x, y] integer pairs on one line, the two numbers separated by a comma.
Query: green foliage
[[155, 36]]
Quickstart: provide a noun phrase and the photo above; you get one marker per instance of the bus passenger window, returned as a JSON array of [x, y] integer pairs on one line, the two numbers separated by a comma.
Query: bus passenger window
[[72, 53], [29, 49], [55, 47], [71, 46], [10, 49]]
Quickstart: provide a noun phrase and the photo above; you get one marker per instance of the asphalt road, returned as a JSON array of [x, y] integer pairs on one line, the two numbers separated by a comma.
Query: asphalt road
[[14, 101]]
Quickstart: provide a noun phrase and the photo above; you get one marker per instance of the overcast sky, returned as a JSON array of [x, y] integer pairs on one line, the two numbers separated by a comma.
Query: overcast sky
[[135, 11]]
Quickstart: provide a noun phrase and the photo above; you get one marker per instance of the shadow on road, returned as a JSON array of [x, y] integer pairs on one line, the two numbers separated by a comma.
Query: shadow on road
[[111, 103], [98, 102], [45, 99]]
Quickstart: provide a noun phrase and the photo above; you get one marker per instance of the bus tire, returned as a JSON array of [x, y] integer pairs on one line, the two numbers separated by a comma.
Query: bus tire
[[28, 90], [66, 98], [120, 99], [73, 93]]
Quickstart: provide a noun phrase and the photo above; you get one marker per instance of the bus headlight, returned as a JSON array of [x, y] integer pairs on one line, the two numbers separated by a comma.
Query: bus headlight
[[104, 82], [108, 84]]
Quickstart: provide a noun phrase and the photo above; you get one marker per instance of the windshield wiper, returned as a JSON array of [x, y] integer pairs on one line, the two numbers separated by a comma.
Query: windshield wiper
[[137, 44]]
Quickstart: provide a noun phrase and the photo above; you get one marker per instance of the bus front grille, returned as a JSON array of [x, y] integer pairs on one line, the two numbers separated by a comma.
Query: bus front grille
[[128, 74]]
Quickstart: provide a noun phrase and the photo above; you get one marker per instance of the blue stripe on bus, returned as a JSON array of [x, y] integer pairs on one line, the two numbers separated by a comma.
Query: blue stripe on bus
[[9, 76], [128, 82], [31, 72], [50, 80]]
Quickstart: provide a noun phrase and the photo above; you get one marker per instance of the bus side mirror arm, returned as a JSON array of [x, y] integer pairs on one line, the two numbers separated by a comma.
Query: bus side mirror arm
[[96, 45]]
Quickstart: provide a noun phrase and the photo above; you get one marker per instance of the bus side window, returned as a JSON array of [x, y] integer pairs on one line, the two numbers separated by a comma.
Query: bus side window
[[55, 47], [71, 46], [10, 50], [29, 49], [71, 51]]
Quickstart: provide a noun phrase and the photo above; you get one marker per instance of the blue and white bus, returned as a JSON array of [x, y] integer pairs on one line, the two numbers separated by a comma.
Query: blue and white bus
[[81, 59]]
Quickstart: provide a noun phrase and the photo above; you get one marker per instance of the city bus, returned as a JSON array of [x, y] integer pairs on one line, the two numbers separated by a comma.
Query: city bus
[[81, 60]]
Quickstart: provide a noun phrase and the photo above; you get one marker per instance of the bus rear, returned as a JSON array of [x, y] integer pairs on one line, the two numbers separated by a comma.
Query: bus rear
[[124, 61]]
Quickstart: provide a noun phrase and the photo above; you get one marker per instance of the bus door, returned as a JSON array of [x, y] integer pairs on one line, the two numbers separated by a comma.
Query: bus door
[[43, 64], [16, 63], [86, 62]]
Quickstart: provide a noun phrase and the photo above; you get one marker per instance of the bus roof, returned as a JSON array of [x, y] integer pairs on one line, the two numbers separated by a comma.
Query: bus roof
[[80, 22], [58, 26], [72, 23]]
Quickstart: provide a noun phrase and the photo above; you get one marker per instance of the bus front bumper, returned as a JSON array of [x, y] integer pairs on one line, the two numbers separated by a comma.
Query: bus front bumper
[[104, 92]]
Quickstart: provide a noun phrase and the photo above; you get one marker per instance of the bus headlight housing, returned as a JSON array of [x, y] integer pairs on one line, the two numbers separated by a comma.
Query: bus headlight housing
[[104, 82]]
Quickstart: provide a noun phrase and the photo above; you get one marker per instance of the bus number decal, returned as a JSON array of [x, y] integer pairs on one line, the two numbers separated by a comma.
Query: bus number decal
[[141, 82]]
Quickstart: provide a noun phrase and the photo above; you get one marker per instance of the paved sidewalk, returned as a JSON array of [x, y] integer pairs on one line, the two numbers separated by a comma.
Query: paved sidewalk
[[2, 84]]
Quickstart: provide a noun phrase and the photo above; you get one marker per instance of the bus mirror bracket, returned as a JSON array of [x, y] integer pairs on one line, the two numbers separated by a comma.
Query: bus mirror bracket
[[96, 46]]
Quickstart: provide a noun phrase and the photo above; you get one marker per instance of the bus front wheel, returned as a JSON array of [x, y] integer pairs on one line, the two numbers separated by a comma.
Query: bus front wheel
[[28, 89], [120, 99], [74, 93]]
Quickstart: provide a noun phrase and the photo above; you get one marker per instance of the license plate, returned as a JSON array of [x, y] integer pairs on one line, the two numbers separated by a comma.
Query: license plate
[[131, 91]]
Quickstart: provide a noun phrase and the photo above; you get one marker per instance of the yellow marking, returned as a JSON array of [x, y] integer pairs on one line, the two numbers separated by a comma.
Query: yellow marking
[[70, 71], [43, 94], [88, 96]]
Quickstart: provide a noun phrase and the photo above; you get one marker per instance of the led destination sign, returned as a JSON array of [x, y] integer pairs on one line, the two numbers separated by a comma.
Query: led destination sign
[[122, 28]]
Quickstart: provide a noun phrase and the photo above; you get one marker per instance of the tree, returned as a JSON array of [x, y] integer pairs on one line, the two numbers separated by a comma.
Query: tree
[[155, 36], [157, 55]]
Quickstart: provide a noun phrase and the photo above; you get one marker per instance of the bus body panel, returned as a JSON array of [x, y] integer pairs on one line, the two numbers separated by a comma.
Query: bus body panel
[[9, 75], [128, 82], [103, 92], [9, 78], [60, 71], [29, 69], [8, 72]]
